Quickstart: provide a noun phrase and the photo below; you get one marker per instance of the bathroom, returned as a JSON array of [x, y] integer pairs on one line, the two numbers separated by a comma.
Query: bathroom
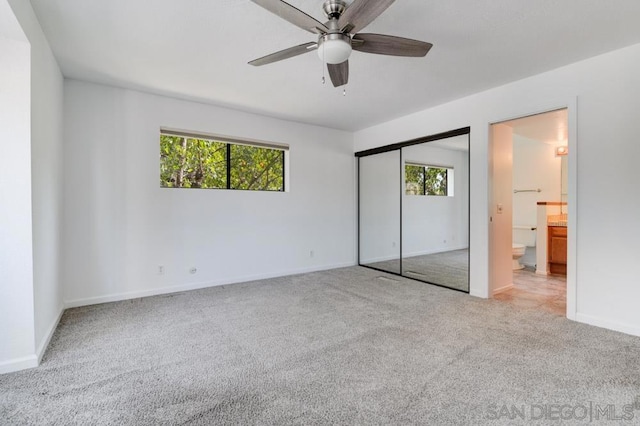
[[537, 184], [537, 207]]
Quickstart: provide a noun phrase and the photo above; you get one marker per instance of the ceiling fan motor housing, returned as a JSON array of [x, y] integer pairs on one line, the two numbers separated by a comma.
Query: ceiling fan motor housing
[[334, 8], [334, 47]]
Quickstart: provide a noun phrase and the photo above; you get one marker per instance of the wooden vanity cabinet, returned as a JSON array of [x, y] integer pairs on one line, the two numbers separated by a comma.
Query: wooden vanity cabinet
[[557, 249]]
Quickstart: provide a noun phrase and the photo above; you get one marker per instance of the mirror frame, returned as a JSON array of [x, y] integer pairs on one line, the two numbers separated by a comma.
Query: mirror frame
[[398, 147]]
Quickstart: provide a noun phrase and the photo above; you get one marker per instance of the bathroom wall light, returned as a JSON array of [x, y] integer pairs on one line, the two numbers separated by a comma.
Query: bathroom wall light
[[562, 150]]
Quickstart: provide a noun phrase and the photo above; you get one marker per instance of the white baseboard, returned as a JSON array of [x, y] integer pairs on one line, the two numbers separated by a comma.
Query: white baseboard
[[434, 251], [633, 330], [44, 344], [502, 289], [18, 364], [116, 297], [379, 259], [413, 254], [481, 294], [32, 361]]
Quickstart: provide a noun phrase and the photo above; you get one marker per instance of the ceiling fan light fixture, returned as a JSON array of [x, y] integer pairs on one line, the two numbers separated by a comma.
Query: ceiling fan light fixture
[[340, 34], [334, 48]]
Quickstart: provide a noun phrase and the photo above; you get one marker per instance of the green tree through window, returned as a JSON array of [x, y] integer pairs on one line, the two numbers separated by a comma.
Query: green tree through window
[[414, 179], [426, 180], [202, 163], [256, 168]]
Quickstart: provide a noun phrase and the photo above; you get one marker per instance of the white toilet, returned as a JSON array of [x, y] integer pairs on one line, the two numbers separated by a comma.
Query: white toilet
[[523, 237], [518, 250]]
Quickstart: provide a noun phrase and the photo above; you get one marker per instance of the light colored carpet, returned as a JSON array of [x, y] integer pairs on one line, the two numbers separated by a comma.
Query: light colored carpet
[[334, 347], [447, 268]]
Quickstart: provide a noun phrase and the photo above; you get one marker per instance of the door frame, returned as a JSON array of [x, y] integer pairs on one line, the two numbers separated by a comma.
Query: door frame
[[571, 105]]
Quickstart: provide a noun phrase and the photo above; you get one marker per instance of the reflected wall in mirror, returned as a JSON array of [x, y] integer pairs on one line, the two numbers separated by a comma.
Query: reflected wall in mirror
[[435, 212], [379, 207]]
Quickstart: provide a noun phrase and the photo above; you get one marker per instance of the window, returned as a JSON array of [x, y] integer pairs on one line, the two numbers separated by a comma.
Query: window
[[201, 161], [428, 180]]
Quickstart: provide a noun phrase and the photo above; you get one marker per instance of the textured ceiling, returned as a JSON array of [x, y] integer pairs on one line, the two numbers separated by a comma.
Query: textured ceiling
[[197, 49]]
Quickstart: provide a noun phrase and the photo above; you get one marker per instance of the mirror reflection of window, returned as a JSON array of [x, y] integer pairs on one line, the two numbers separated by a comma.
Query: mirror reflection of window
[[428, 180]]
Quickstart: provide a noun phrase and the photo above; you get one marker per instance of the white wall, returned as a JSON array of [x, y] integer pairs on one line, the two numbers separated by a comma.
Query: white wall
[[120, 225], [436, 224], [46, 175], [17, 344], [535, 165], [608, 94]]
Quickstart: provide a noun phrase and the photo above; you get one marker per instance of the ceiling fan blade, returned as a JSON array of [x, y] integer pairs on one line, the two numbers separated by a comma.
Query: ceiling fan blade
[[293, 15], [285, 54], [361, 13], [339, 73], [390, 45]]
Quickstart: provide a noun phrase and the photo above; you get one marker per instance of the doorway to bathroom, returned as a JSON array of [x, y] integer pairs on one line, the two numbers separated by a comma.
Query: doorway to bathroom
[[529, 211]]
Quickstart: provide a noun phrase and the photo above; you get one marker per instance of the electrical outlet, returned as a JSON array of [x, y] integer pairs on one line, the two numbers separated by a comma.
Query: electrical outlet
[[160, 270], [500, 209], [311, 253], [393, 244], [193, 270]]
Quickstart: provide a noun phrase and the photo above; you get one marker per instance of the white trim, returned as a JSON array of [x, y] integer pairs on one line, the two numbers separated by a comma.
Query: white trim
[[527, 112], [18, 364], [44, 344], [413, 254], [571, 104], [502, 289], [633, 330], [476, 293], [222, 138], [434, 251], [542, 272], [434, 165], [380, 259], [116, 297], [572, 210]]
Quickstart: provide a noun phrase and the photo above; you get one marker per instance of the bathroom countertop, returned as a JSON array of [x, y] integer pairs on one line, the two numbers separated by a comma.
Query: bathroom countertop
[[558, 223], [552, 203], [557, 220]]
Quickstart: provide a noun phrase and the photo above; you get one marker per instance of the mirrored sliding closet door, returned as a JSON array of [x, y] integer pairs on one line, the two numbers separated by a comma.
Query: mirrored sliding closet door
[[414, 209]]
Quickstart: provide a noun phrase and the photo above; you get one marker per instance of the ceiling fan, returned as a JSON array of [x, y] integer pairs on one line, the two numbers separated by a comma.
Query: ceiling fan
[[339, 35]]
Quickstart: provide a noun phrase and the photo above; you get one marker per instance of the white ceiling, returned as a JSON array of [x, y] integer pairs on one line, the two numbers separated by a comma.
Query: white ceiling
[[199, 49], [550, 128], [455, 143]]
